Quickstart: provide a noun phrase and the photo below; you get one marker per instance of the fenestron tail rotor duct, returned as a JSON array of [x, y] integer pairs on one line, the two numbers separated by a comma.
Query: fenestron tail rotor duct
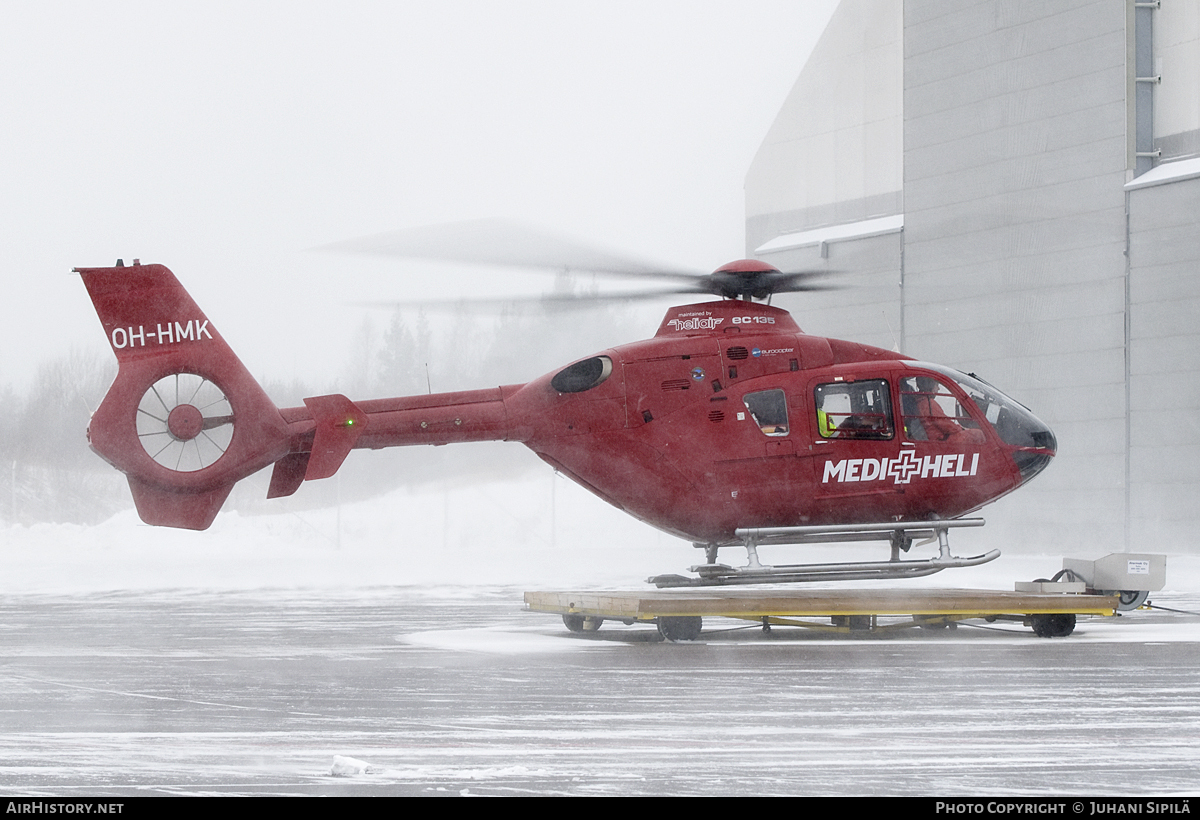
[[185, 422]]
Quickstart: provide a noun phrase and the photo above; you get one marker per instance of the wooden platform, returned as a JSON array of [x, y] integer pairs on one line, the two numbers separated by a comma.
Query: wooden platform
[[755, 604]]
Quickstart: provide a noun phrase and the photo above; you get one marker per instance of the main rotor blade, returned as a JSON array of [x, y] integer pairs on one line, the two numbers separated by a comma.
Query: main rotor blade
[[505, 243], [552, 300], [803, 281]]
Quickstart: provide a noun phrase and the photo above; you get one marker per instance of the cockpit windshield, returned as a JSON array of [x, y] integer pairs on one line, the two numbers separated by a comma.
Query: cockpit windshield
[[1014, 423]]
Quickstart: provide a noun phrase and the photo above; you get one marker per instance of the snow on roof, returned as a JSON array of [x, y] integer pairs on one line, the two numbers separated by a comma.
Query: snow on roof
[[1167, 172], [834, 233]]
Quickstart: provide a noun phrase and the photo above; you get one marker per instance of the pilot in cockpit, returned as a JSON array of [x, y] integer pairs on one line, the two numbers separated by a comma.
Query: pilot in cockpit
[[921, 399]]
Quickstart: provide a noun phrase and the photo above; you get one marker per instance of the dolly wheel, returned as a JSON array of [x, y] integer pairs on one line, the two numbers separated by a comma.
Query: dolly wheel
[[680, 627], [1131, 599], [573, 622], [1055, 625]]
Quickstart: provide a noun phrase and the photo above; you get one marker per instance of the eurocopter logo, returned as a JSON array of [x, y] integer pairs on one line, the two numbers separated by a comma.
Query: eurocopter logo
[[695, 324], [902, 469]]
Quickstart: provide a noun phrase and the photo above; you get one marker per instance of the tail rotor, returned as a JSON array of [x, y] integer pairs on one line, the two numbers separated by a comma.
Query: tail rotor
[[185, 422]]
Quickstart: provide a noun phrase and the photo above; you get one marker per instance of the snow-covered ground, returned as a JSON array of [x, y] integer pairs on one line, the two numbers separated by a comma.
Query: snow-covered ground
[[537, 530], [381, 649], [410, 690]]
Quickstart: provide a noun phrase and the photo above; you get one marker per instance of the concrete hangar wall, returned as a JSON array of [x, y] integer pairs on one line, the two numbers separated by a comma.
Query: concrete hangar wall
[[1013, 188]]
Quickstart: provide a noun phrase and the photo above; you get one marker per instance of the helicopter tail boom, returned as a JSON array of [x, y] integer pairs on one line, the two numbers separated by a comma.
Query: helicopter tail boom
[[184, 419]]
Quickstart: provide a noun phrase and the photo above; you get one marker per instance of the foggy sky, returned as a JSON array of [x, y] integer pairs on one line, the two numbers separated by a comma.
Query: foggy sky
[[226, 140]]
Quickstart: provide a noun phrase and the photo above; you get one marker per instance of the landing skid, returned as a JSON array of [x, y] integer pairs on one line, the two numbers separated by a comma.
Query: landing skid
[[722, 574], [900, 534]]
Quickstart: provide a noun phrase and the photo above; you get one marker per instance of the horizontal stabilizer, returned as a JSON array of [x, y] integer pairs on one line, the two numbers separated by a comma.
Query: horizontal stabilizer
[[339, 423]]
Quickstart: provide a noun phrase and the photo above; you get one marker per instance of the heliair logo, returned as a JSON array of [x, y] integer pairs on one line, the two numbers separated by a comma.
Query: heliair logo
[[903, 469], [695, 324]]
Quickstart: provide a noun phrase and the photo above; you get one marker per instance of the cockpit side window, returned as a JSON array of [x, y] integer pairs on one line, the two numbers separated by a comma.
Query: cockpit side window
[[933, 413], [854, 410], [769, 410]]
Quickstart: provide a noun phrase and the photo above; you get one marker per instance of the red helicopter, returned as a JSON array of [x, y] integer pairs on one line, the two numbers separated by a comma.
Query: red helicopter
[[731, 427]]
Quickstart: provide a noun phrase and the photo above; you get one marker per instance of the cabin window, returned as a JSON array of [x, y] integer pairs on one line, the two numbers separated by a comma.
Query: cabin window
[[769, 411], [583, 375], [933, 413], [854, 410]]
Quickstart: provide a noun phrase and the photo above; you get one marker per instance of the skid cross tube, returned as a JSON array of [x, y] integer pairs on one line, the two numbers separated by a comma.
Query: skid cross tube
[[882, 531]]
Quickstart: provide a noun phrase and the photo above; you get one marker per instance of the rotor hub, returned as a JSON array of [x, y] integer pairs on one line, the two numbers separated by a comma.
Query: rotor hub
[[748, 267], [746, 279], [185, 422]]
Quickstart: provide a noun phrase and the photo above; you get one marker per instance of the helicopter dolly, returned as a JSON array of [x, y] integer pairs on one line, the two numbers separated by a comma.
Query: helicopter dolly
[[679, 614], [1112, 585], [730, 427]]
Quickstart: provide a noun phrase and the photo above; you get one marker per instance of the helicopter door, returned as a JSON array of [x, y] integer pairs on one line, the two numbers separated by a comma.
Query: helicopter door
[[944, 440], [755, 466], [854, 437]]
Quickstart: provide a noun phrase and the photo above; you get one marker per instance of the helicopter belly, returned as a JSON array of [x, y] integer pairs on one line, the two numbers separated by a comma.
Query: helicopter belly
[[696, 491], [635, 478], [685, 491]]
